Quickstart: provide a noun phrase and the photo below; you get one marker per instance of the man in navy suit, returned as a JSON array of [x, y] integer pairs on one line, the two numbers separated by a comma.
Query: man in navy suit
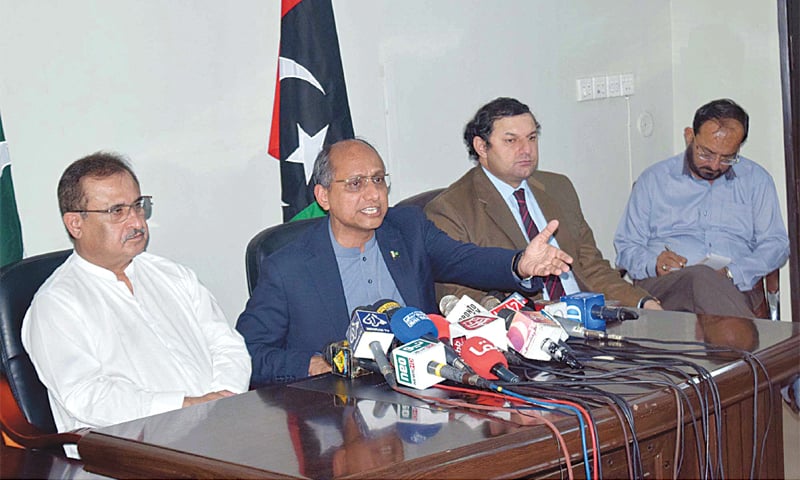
[[361, 252]]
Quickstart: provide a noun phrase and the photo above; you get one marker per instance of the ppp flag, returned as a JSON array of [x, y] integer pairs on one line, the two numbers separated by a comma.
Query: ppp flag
[[10, 228], [310, 107]]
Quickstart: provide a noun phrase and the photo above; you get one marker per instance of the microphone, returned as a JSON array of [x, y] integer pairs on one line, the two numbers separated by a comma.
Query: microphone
[[489, 301], [419, 365], [486, 325], [386, 305], [561, 352], [447, 303], [612, 314], [464, 307], [365, 327], [579, 307], [442, 326], [383, 363], [487, 360], [536, 337], [576, 329], [410, 323], [492, 302], [455, 375]]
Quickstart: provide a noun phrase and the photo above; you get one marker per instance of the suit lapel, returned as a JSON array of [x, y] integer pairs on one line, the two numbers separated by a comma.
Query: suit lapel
[[552, 210], [398, 262], [496, 209], [323, 272]]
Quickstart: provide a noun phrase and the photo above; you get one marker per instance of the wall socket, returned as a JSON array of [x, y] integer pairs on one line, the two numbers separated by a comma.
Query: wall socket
[[605, 86], [599, 88], [585, 89], [626, 84]]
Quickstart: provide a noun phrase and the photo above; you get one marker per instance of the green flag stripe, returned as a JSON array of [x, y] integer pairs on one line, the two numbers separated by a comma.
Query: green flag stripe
[[10, 228]]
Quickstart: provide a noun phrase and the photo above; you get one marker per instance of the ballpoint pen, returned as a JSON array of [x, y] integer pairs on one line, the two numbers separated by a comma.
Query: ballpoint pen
[[667, 249]]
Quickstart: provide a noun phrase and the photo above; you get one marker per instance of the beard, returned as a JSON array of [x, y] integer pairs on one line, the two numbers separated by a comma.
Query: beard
[[706, 173]]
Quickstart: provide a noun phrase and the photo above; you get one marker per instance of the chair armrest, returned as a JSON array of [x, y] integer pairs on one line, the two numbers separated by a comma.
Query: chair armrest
[[16, 426]]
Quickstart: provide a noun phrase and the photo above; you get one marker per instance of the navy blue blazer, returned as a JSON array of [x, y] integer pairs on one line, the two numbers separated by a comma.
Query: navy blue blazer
[[298, 305]]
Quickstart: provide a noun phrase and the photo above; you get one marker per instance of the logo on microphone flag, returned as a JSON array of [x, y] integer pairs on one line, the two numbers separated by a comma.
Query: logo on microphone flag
[[310, 106], [366, 327]]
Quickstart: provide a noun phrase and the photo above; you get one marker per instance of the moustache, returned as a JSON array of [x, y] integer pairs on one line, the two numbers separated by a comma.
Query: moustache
[[135, 233]]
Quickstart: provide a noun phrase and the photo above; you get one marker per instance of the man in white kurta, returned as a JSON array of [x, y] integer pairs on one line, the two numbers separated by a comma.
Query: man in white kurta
[[116, 333]]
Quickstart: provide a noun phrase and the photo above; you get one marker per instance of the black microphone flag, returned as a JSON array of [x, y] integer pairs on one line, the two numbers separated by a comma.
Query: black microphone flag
[[310, 106]]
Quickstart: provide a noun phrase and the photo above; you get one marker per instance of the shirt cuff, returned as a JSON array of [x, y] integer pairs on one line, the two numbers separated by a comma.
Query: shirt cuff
[[525, 282], [166, 401]]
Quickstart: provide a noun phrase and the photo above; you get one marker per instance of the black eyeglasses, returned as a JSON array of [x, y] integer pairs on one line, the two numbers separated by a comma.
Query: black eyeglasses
[[119, 213], [357, 183]]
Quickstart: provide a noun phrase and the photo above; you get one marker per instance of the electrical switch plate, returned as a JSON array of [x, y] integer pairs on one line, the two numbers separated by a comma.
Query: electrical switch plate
[[626, 84], [584, 89], [612, 86], [599, 88]]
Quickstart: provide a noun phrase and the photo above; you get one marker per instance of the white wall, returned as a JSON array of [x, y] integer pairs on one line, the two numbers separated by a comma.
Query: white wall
[[185, 89], [734, 55]]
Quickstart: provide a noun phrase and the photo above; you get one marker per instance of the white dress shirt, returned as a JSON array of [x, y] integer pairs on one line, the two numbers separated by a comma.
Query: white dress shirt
[[107, 355]]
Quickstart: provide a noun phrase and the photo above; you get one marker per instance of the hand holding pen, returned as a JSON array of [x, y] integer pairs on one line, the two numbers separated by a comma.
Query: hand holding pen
[[668, 261]]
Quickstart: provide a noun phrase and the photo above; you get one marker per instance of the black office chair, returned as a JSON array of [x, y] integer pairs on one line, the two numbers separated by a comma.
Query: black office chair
[[267, 241], [25, 414]]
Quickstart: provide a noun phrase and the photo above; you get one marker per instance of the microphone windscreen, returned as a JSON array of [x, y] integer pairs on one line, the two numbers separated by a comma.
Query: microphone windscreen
[[442, 326], [489, 302], [386, 305], [447, 303], [410, 323], [482, 356]]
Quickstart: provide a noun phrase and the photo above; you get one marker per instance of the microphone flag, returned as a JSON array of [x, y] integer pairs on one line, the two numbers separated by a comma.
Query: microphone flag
[[579, 308], [366, 327], [411, 361]]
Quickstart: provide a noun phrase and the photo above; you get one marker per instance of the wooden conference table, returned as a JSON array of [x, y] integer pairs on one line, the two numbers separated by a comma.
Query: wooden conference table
[[327, 426]]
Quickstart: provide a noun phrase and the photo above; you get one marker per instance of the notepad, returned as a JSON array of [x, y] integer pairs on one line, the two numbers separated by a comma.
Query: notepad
[[714, 261]]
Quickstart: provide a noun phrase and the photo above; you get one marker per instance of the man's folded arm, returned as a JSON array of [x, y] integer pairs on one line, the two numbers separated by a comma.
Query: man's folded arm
[[264, 324], [230, 360], [59, 337]]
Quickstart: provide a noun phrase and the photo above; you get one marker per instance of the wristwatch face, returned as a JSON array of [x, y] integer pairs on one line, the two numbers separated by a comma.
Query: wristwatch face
[[728, 273]]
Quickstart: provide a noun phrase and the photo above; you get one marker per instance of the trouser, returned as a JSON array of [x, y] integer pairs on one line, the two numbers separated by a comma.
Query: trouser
[[699, 289]]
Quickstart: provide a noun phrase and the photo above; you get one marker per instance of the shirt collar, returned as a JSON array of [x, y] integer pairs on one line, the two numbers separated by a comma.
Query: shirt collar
[[506, 190], [99, 271], [344, 252]]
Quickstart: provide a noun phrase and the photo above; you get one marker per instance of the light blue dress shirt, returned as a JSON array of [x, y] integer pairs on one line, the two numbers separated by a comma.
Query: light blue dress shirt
[[736, 216], [365, 277], [507, 192]]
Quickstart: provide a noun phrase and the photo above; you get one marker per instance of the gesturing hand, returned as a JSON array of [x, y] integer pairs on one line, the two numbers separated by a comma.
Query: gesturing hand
[[540, 258]]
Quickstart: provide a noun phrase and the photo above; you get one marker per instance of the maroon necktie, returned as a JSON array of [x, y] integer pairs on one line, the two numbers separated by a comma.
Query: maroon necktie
[[552, 283]]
